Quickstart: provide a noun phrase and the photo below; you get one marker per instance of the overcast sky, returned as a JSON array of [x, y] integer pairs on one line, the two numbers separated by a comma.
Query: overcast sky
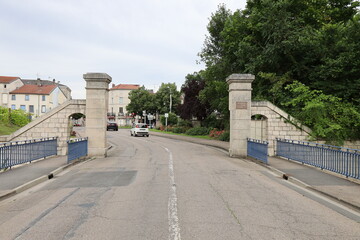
[[144, 42]]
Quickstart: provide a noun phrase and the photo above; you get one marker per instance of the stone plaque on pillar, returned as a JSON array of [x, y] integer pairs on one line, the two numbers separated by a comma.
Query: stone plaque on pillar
[[97, 93], [241, 105], [240, 112]]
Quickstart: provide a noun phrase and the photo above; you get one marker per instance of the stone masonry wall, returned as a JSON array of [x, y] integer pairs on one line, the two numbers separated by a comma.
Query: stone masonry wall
[[278, 124], [52, 124]]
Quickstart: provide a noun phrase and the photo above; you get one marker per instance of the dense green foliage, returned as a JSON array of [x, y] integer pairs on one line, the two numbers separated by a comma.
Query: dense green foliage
[[192, 106], [12, 120], [316, 43], [198, 131], [166, 92], [172, 119], [328, 116], [19, 117], [4, 115], [225, 137], [141, 100], [159, 102]]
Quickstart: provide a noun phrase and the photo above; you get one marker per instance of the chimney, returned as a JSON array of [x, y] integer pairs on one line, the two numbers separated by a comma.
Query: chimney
[[38, 82], [54, 80]]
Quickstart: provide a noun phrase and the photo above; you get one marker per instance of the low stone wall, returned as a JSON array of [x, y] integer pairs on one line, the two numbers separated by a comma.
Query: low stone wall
[[55, 123], [352, 144], [347, 144]]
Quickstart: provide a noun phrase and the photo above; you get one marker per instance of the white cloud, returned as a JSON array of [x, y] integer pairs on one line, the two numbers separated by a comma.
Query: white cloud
[[142, 41]]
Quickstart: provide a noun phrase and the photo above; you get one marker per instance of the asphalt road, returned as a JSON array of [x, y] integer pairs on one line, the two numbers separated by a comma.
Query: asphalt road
[[158, 188]]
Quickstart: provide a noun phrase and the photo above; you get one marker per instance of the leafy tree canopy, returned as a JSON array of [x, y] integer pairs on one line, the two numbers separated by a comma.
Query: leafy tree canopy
[[163, 95], [141, 100], [192, 106], [316, 43]]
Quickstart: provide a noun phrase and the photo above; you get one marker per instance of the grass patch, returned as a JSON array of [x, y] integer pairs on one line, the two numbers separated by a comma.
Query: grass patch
[[182, 134], [7, 129]]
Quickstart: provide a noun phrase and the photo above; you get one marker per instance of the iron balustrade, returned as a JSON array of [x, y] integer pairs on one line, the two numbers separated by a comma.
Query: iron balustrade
[[341, 160], [258, 149], [19, 152], [77, 148]]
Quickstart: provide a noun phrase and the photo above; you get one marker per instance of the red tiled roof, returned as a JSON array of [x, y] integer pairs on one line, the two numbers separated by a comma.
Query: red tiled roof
[[5, 79], [126, 87], [34, 89]]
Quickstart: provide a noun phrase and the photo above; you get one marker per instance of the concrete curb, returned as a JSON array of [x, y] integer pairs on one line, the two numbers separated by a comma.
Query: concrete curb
[[42, 179]]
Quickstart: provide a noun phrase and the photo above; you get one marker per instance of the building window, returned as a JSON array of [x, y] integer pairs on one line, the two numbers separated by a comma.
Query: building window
[[5, 86], [23, 107], [13, 97], [13, 106], [31, 108], [121, 100], [43, 98], [27, 97], [43, 108], [121, 110]]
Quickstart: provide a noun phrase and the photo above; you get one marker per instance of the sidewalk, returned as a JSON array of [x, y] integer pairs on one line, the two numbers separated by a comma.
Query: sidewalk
[[22, 177], [328, 183]]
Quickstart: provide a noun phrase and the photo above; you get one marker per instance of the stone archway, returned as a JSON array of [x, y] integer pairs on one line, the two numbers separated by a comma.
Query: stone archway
[[259, 127], [77, 125]]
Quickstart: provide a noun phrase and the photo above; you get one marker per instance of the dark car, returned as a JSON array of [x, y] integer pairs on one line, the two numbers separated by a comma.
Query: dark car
[[113, 126]]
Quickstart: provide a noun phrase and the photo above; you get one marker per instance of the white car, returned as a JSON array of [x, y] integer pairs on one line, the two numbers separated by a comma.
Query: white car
[[139, 129]]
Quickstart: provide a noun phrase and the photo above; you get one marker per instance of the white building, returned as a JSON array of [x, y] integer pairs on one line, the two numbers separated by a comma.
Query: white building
[[34, 96], [8, 84], [118, 100]]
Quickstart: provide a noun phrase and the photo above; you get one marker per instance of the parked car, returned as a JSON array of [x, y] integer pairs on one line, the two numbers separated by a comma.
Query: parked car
[[139, 129], [113, 126]]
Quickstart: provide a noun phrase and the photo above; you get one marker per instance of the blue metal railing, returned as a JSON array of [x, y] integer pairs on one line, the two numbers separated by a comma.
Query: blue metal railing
[[257, 149], [77, 148], [19, 152], [344, 161]]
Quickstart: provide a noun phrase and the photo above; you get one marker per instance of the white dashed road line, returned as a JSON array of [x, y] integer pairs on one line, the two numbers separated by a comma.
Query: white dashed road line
[[174, 229]]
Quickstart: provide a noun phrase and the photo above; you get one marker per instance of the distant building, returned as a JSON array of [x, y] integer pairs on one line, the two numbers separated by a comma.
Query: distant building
[[118, 100], [8, 84], [34, 96]]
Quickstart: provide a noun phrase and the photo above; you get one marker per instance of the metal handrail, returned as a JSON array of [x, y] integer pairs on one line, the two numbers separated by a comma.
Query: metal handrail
[[19, 152], [258, 149], [345, 161]]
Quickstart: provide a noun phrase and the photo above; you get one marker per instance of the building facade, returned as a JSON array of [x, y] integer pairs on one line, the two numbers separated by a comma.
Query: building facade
[[118, 100], [8, 84], [33, 96]]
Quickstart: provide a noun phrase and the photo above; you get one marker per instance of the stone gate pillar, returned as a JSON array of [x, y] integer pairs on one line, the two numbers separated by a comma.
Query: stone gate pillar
[[97, 94], [240, 112]]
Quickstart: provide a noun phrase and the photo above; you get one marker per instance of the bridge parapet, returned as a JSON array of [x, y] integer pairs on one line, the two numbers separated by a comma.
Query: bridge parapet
[[54, 123]]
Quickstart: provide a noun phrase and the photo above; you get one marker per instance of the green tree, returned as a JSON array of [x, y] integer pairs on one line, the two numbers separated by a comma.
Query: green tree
[[314, 42], [19, 117], [329, 117], [300, 39], [192, 106], [141, 100], [172, 119], [166, 92]]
